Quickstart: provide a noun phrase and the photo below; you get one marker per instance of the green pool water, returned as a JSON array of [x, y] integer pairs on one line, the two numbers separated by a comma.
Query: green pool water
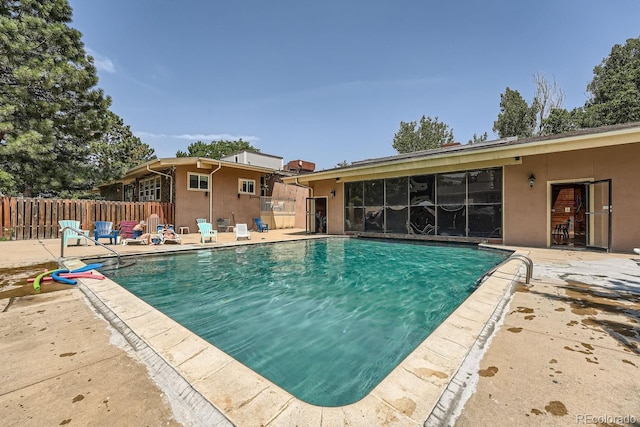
[[326, 319]]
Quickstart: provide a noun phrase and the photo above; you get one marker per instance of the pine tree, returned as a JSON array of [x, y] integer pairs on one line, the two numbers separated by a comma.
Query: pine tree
[[50, 109]]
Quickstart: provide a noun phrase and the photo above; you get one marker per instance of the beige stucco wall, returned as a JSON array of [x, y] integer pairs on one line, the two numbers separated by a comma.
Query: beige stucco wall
[[335, 214], [527, 210], [225, 202]]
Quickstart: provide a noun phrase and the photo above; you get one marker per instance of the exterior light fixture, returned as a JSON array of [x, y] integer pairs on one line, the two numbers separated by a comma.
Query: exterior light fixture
[[532, 180], [333, 193]]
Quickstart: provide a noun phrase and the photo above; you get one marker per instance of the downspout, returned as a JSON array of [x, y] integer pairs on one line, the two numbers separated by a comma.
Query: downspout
[[304, 186], [306, 219], [170, 185], [211, 192]]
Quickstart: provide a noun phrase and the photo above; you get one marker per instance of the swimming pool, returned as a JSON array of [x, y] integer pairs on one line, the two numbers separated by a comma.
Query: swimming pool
[[324, 319]]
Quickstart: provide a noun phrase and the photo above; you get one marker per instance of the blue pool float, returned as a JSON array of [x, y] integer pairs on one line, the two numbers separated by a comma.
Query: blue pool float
[[56, 274], [56, 277], [86, 268]]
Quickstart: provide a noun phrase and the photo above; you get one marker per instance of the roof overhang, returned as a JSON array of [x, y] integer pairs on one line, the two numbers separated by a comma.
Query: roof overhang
[[475, 156], [196, 162]]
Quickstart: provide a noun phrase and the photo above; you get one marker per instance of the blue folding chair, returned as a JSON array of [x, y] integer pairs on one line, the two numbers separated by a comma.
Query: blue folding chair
[[261, 226]]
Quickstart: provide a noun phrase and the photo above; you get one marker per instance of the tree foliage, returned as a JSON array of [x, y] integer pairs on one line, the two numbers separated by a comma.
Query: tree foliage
[[216, 149], [516, 117], [615, 88], [477, 138], [558, 121], [118, 150], [429, 133], [50, 110]]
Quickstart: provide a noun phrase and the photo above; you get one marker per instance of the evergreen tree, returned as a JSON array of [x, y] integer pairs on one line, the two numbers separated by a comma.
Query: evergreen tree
[[50, 110], [117, 151], [516, 118], [615, 88], [430, 133], [216, 149], [476, 138]]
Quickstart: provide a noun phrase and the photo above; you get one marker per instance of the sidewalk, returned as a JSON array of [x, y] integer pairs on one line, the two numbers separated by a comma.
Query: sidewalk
[[567, 352]]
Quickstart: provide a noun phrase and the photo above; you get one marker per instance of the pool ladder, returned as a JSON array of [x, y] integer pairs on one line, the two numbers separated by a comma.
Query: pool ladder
[[81, 235], [525, 259]]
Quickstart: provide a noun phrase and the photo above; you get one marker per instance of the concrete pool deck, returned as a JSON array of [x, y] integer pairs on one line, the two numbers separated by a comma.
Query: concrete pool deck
[[567, 347]]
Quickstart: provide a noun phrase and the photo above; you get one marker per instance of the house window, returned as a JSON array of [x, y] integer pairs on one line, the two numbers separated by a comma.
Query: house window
[[149, 189], [246, 186], [198, 182]]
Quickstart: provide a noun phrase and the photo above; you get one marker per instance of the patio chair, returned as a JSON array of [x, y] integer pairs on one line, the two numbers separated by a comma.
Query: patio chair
[[104, 230], [242, 231], [125, 229], [207, 232], [72, 234], [561, 233], [261, 226], [223, 224], [153, 222], [172, 237]]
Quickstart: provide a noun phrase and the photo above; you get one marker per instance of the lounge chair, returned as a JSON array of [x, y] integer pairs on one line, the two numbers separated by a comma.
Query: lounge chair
[[72, 233], [164, 239], [126, 234], [242, 231], [132, 241], [261, 226], [207, 232], [104, 230]]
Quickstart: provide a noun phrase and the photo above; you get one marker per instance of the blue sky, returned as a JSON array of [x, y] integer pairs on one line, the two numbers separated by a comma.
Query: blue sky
[[329, 81]]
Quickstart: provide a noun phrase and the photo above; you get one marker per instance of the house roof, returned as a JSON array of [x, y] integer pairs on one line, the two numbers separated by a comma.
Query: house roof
[[501, 152], [196, 162]]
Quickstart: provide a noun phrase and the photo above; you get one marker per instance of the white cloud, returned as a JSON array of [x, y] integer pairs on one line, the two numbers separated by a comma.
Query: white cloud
[[102, 62], [198, 136]]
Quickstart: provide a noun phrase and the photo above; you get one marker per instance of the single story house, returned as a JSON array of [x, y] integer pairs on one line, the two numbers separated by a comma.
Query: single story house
[[239, 188], [578, 189]]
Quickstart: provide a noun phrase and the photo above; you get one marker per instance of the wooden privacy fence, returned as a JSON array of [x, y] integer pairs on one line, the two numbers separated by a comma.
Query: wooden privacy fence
[[35, 218]]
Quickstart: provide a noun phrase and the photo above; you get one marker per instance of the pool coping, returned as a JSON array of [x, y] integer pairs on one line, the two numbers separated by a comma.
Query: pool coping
[[425, 388]]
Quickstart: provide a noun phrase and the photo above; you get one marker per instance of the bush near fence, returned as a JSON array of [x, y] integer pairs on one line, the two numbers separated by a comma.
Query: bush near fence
[[36, 218]]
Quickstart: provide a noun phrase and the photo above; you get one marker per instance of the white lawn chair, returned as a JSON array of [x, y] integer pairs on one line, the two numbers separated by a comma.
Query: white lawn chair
[[242, 231]]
